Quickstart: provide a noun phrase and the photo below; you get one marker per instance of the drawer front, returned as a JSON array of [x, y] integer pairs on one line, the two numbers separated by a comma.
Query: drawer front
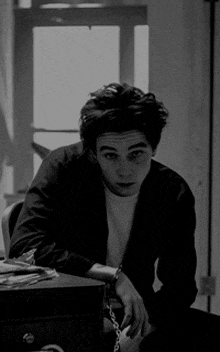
[[79, 334]]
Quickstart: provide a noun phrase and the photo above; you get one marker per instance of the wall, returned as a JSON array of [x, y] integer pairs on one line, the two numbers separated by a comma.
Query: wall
[[216, 169], [6, 123], [179, 76]]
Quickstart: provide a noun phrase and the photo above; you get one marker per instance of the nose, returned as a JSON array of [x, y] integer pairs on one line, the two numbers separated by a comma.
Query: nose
[[124, 169]]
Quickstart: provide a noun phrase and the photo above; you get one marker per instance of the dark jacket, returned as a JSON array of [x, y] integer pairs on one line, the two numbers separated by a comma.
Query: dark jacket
[[64, 217]]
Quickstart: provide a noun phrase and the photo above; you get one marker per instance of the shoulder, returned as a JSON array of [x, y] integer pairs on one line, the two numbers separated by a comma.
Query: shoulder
[[63, 163], [70, 157], [65, 154], [164, 171], [170, 180]]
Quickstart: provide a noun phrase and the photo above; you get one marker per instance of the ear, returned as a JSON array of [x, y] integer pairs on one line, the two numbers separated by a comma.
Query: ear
[[92, 157]]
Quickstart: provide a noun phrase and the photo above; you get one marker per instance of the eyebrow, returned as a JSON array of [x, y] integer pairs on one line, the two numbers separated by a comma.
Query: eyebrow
[[106, 147], [137, 145]]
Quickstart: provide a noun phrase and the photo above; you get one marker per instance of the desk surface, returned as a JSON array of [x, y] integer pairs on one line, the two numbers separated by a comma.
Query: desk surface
[[64, 280], [64, 283]]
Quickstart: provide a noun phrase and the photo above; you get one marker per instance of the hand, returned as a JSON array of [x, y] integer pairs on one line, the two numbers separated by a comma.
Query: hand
[[135, 313]]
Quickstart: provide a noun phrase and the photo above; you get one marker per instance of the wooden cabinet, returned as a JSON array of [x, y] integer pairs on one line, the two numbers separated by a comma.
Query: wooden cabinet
[[64, 314]]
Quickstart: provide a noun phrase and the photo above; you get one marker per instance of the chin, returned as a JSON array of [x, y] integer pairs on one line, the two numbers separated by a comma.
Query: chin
[[127, 193]]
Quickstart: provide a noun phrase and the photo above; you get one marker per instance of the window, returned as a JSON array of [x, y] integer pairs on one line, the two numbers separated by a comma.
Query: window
[[60, 57], [69, 63]]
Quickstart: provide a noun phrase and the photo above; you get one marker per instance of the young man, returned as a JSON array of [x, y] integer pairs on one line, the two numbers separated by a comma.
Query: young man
[[111, 205]]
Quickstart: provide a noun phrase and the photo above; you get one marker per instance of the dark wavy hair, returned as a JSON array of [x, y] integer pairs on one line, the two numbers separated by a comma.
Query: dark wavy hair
[[120, 108]]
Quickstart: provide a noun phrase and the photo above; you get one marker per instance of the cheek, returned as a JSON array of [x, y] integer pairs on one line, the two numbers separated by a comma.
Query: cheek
[[143, 169], [107, 168]]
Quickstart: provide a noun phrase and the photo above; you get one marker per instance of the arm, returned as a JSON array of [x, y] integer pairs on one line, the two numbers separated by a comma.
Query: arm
[[177, 261], [41, 223]]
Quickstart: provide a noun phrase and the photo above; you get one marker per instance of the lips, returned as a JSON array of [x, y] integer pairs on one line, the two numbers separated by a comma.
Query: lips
[[125, 185]]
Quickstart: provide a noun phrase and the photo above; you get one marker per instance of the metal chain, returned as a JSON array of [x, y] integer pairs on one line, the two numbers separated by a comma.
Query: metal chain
[[115, 325]]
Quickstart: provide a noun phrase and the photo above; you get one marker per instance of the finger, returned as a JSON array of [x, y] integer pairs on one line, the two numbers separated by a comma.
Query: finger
[[143, 326], [134, 330], [127, 316], [137, 321], [146, 328]]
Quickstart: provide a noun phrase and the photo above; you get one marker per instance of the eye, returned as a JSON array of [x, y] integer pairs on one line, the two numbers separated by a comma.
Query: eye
[[136, 154], [110, 156]]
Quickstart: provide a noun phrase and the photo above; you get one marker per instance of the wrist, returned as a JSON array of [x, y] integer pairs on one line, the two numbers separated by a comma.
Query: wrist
[[116, 275], [104, 273]]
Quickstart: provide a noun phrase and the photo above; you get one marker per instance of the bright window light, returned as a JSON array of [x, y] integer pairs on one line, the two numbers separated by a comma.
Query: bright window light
[[69, 63]]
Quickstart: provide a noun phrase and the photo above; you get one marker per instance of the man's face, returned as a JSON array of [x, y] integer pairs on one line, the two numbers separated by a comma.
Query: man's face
[[125, 160]]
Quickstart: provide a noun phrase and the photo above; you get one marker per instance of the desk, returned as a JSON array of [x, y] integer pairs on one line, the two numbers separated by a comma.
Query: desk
[[66, 311]]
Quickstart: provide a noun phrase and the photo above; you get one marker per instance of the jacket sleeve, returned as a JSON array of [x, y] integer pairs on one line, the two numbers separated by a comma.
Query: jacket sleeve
[[37, 224], [177, 261]]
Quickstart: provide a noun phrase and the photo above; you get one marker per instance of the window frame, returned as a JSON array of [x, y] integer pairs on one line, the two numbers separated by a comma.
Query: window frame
[[126, 17]]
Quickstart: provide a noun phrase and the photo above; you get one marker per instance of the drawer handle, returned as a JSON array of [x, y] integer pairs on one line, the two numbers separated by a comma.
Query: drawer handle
[[28, 338]]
